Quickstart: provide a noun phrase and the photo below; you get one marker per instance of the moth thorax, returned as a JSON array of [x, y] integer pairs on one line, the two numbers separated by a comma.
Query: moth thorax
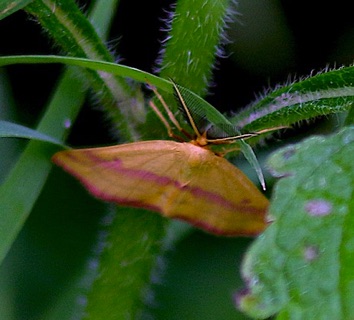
[[197, 155], [201, 141]]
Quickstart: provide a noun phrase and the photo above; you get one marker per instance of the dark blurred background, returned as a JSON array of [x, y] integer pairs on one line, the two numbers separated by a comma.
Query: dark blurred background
[[271, 42]]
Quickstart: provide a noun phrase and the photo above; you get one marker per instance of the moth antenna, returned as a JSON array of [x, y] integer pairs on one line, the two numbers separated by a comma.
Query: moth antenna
[[232, 139], [271, 129], [186, 110], [244, 136]]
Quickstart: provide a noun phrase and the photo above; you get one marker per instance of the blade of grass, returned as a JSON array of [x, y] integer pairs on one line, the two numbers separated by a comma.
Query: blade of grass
[[23, 185], [20, 190], [9, 148], [109, 67], [13, 130]]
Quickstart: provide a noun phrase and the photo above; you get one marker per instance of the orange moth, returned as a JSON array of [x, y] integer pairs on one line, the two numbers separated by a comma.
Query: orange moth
[[182, 180]]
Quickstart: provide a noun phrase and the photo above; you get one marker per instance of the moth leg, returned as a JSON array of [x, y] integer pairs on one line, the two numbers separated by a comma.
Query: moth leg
[[169, 113], [225, 151], [167, 109], [162, 118], [170, 132]]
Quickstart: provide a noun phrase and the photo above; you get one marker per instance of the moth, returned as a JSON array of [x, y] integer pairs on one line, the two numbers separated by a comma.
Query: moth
[[184, 180]]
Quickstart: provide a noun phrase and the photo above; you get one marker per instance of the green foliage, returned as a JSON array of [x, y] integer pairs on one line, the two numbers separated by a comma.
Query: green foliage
[[8, 7], [125, 264], [12, 130], [187, 59], [322, 94], [74, 33], [24, 182], [299, 268]]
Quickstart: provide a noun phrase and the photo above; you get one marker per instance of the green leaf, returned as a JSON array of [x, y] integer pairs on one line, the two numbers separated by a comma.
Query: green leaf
[[109, 67], [13, 130], [9, 148], [75, 34], [125, 264], [24, 182], [302, 266], [321, 94], [192, 43], [51, 253], [8, 7]]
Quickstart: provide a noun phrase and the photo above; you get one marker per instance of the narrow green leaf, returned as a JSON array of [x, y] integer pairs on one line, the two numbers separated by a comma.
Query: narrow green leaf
[[13, 130], [52, 252], [102, 12], [302, 266], [71, 30], [9, 148], [109, 67], [8, 7], [23, 185], [322, 94], [20, 190], [253, 161], [125, 264], [192, 43]]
